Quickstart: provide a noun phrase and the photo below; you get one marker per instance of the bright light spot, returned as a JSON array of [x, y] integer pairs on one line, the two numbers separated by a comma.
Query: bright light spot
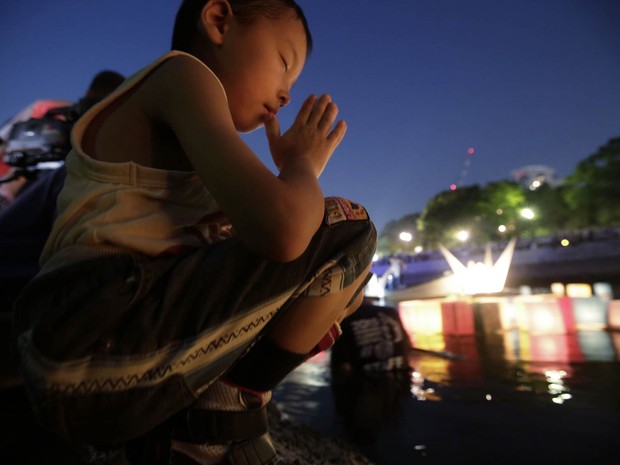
[[535, 185], [555, 375], [488, 397], [499, 211], [556, 388], [565, 242], [405, 236], [579, 290], [462, 235], [501, 228], [470, 151], [527, 213], [375, 257], [557, 289], [477, 277], [417, 377], [544, 320], [452, 187], [375, 287], [417, 386], [418, 249]]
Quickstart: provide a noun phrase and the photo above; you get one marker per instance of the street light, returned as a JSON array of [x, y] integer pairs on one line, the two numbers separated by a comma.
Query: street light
[[527, 213], [405, 236], [462, 235]]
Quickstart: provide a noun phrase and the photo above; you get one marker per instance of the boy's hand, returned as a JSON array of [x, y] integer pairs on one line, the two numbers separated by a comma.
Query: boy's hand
[[310, 136]]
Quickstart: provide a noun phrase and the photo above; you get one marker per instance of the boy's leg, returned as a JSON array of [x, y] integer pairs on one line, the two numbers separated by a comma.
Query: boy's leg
[[137, 339], [310, 318], [306, 324], [247, 387]]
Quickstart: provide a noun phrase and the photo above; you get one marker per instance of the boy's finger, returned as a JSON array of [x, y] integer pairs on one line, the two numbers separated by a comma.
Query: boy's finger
[[305, 110], [329, 116], [272, 128], [319, 109], [336, 136]]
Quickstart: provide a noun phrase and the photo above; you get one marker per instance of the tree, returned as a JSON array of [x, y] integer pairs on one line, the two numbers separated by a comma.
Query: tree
[[553, 214], [500, 204], [593, 190], [448, 212], [390, 242], [587, 199]]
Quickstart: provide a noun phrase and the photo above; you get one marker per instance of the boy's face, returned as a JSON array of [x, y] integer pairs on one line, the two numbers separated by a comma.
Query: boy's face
[[258, 64]]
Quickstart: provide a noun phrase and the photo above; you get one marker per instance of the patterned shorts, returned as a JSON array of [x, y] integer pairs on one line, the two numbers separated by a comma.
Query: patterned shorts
[[112, 346]]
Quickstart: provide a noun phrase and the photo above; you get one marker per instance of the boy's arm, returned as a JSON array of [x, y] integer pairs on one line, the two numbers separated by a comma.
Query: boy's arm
[[275, 215]]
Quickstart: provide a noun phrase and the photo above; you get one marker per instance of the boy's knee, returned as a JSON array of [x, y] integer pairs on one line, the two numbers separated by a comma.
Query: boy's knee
[[338, 209]]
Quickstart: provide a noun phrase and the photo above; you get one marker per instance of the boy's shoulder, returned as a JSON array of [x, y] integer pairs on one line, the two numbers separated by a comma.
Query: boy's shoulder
[[176, 64], [174, 59]]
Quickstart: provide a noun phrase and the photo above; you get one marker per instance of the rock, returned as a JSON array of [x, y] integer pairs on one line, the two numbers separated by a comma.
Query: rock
[[298, 444]]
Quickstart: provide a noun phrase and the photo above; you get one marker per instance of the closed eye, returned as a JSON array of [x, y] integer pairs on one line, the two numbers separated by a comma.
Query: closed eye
[[285, 63]]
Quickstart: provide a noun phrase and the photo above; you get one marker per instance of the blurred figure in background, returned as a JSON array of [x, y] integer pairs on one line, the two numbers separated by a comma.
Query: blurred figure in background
[[26, 217], [394, 274], [371, 374], [102, 84], [25, 222], [29, 201]]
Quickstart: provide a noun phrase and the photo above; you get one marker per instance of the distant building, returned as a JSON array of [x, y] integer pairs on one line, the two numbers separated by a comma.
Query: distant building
[[534, 176]]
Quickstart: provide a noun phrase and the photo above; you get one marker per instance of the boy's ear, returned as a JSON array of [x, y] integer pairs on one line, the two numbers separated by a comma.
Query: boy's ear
[[214, 19]]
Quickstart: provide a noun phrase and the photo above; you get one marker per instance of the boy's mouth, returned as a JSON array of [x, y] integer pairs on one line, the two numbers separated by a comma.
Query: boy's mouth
[[272, 111]]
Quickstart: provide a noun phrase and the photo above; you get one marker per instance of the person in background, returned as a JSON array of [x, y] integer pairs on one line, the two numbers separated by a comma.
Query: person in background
[[28, 213], [25, 223], [102, 84], [183, 279], [395, 278], [370, 369], [36, 109]]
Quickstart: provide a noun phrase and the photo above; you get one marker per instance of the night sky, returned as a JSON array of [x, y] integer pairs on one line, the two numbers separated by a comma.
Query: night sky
[[419, 82]]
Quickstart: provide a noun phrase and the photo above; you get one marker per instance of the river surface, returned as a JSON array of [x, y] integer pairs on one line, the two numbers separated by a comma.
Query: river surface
[[503, 398]]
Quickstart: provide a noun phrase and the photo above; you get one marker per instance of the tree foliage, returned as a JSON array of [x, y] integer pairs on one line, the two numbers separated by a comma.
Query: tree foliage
[[449, 212], [390, 242], [593, 190], [588, 198], [500, 204]]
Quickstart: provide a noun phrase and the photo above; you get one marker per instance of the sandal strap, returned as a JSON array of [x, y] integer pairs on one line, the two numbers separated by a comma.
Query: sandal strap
[[199, 426]]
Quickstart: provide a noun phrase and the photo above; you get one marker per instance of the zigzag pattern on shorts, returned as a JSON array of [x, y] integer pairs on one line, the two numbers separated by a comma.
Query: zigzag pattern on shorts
[[154, 375]]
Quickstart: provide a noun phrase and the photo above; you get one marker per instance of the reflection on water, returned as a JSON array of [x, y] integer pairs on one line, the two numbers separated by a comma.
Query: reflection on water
[[505, 391], [515, 366]]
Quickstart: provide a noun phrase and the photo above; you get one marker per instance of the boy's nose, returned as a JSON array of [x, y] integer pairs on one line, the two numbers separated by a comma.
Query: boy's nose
[[285, 98]]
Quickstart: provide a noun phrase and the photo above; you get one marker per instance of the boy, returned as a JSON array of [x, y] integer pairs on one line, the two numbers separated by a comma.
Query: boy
[[183, 279]]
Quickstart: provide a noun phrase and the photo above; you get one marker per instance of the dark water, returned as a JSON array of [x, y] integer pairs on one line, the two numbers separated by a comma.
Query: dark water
[[503, 398]]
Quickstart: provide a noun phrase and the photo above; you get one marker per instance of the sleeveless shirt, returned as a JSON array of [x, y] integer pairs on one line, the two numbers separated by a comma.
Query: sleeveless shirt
[[110, 207]]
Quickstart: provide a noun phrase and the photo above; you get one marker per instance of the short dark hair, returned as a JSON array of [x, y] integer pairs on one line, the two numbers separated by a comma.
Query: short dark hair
[[104, 83], [185, 25]]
